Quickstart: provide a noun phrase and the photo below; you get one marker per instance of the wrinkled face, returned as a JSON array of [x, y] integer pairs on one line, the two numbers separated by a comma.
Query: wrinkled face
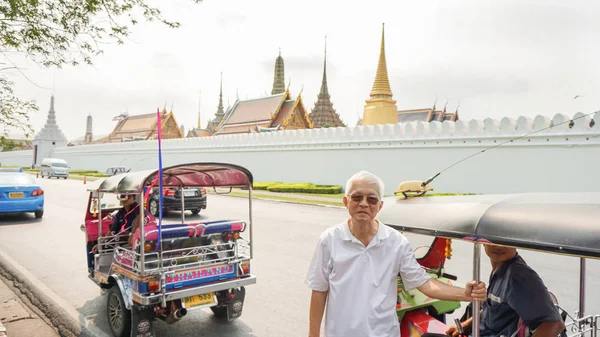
[[499, 254], [363, 201]]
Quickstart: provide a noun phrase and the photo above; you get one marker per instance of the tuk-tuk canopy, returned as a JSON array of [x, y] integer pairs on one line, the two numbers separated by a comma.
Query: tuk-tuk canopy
[[564, 223], [195, 174]]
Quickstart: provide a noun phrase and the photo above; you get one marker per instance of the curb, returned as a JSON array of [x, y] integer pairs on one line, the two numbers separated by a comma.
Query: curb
[[63, 317]]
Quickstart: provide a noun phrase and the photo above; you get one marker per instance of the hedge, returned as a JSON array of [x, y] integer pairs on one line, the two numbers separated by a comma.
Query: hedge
[[304, 188]]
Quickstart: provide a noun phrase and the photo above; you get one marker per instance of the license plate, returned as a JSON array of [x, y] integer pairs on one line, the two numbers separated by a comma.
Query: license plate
[[189, 193], [15, 195], [199, 300]]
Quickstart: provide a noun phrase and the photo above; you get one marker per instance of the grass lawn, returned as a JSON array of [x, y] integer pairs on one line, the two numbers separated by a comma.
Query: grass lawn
[[282, 198]]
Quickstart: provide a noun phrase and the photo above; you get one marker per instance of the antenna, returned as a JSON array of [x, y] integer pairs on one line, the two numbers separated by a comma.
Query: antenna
[[430, 179]]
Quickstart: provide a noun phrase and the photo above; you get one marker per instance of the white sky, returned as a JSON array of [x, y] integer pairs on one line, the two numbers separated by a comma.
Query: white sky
[[498, 58]]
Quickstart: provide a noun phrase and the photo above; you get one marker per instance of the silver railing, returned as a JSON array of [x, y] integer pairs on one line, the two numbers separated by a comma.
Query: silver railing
[[193, 256], [586, 326]]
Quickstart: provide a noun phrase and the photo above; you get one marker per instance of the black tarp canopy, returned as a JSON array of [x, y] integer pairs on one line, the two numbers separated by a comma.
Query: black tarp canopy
[[564, 223]]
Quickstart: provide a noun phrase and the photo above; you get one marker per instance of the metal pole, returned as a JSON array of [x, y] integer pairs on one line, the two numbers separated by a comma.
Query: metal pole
[[475, 304], [142, 236], [99, 200], [182, 206], [581, 287], [250, 222]]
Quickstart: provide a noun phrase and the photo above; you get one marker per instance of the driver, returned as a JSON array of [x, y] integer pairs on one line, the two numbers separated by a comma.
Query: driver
[[354, 270], [127, 217], [125, 220], [515, 292]]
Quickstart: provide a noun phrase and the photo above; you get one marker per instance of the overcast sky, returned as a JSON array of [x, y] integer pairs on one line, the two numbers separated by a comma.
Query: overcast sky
[[498, 58]]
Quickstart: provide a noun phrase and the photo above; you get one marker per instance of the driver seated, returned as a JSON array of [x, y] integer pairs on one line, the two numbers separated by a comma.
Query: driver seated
[[126, 220], [515, 292]]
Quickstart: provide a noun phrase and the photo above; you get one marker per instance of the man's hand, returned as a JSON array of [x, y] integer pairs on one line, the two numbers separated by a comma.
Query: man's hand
[[454, 332], [478, 292]]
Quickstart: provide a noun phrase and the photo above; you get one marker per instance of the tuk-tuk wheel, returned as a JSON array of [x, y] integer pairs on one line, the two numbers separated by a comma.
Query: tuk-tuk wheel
[[119, 317], [220, 312]]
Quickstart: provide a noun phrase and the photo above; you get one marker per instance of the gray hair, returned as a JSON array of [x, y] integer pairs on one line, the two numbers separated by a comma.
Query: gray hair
[[366, 177]]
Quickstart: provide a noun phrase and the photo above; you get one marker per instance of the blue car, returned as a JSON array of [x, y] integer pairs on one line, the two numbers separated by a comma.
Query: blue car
[[19, 193]]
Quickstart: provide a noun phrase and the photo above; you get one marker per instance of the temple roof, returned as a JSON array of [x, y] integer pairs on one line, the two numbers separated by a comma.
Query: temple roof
[[265, 114], [286, 110], [253, 110], [139, 126], [198, 133], [426, 115]]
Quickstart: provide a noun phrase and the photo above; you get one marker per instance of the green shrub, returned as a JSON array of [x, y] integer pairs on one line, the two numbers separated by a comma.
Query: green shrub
[[305, 188], [83, 172]]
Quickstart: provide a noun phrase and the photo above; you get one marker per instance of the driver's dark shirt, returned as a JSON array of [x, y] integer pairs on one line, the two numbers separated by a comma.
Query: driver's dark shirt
[[126, 218], [515, 290]]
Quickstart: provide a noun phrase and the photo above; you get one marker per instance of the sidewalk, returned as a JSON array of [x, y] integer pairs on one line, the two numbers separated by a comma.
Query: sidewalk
[[18, 319]]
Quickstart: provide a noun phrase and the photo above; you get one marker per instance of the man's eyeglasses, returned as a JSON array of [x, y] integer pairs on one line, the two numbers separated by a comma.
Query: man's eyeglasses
[[371, 200]]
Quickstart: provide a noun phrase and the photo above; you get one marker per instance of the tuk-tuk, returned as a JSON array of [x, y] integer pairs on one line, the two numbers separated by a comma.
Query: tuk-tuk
[[555, 223], [162, 271]]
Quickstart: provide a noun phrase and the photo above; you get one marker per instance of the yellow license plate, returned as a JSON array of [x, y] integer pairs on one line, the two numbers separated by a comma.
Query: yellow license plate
[[198, 300], [15, 195]]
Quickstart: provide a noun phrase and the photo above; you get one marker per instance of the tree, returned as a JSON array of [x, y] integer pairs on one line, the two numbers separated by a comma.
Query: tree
[[55, 33]]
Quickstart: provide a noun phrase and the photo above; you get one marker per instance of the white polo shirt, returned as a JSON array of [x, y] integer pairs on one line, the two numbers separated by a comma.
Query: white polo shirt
[[362, 281]]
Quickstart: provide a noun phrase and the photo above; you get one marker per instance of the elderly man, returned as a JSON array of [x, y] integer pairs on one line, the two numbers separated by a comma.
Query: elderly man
[[355, 268], [515, 292]]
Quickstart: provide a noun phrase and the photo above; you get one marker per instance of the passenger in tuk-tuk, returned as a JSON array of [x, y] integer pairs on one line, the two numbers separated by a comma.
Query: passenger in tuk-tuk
[[355, 267], [515, 291], [126, 220]]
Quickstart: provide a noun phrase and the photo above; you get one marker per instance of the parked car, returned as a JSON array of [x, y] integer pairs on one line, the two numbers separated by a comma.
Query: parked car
[[19, 193], [114, 170], [54, 167], [194, 200]]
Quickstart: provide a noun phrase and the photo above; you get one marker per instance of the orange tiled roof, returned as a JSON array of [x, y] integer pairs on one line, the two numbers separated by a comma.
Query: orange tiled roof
[[245, 128], [255, 110], [285, 111]]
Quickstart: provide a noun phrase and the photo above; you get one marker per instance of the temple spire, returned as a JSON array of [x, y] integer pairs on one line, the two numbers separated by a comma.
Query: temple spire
[[220, 110], [199, 110], [381, 108], [323, 114], [324, 90], [279, 76], [381, 85]]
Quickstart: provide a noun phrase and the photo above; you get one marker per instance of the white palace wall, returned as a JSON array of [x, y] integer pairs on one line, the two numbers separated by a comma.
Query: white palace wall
[[562, 159]]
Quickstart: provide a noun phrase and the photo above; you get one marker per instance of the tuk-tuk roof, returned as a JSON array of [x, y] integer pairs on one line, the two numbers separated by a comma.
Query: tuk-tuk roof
[[194, 174], [564, 223]]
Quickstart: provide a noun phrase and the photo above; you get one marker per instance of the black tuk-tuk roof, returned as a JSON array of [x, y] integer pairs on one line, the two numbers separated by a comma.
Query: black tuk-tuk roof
[[193, 174], [564, 223]]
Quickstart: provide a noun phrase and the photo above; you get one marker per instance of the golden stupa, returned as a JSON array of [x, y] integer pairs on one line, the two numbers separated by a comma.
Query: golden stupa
[[381, 108]]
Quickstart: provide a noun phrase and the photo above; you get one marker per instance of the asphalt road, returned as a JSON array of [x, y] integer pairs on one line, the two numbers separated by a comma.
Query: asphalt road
[[52, 249]]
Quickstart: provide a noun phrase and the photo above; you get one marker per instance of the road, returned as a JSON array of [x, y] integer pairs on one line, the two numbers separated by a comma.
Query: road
[[52, 250]]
